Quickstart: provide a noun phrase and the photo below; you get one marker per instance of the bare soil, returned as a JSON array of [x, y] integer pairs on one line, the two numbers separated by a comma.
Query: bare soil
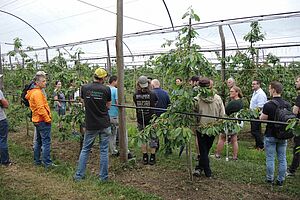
[[164, 182]]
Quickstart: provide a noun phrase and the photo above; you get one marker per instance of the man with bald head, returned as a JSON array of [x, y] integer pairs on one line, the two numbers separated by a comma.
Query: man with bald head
[[163, 102]]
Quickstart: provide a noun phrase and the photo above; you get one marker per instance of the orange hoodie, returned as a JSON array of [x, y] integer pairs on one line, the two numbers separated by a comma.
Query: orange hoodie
[[38, 105]]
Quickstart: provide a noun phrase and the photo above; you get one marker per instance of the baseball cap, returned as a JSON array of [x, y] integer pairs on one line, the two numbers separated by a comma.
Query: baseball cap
[[204, 82], [143, 81], [100, 73], [41, 73]]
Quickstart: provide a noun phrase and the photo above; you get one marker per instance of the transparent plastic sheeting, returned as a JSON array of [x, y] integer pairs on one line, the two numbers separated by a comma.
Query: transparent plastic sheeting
[[68, 21]]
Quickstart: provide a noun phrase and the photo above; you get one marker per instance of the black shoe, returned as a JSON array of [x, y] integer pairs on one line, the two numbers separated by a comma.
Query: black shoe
[[270, 182], [130, 156], [116, 154], [152, 160], [279, 183], [197, 172], [289, 173], [145, 158]]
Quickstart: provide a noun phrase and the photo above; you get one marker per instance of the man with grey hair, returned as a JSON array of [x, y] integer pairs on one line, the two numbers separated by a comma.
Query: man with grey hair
[[163, 102], [230, 82], [41, 118]]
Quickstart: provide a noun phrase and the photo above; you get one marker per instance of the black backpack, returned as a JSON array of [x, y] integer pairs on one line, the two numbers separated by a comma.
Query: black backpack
[[283, 113], [24, 92]]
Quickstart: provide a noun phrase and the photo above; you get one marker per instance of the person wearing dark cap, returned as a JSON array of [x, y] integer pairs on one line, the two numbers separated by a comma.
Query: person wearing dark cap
[[208, 104], [144, 97], [97, 100]]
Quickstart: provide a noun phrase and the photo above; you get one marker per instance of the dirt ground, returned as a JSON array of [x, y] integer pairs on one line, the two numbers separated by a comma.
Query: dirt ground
[[157, 179]]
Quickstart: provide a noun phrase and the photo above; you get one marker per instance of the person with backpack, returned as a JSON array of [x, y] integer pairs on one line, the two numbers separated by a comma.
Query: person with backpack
[[41, 118], [296, 155], [145, 97], [273, 145]]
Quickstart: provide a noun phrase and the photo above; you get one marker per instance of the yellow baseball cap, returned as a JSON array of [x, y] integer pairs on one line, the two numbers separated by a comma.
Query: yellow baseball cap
[[100, 73]]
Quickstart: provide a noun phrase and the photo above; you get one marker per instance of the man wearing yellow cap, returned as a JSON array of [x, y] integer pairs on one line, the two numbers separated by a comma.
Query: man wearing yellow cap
[[97, 101]]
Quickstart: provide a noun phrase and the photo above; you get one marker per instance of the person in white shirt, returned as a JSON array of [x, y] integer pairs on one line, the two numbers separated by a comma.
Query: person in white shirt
[[258, 100]]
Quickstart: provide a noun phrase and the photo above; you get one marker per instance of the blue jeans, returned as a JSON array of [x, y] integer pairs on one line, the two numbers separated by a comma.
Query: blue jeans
[[88, 142], [273, 146], [3, 142], [42, 143]]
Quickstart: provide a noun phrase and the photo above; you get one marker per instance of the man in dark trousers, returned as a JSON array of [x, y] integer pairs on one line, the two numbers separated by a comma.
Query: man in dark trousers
[[97, 100], [163, 102], [296, 156], [258, 99]]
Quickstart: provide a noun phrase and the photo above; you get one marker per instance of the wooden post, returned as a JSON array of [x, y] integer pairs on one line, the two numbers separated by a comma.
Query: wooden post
[[108, 58], [120, 67], [223, 60]]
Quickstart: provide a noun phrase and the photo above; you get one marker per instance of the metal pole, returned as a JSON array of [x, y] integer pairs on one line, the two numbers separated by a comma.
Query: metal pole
[[108, 58], [223, 59], [120, 67], [47, 56]]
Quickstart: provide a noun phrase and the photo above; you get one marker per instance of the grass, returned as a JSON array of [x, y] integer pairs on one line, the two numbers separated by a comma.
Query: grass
[[25, 181]]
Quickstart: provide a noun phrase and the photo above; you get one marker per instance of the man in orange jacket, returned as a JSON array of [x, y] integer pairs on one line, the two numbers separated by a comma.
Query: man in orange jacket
[[41, 118]]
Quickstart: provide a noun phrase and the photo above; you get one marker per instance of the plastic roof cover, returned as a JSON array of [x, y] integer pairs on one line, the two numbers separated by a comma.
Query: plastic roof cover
[[68, 21]]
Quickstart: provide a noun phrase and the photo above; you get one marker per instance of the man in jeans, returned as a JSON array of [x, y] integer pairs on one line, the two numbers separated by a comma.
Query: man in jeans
[[113, 114], [259, 98], [4, 156], [41, 117], [273, 145], [97, 100]]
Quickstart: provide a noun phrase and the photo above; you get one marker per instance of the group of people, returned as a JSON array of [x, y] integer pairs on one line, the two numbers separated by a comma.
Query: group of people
[[101, 119]]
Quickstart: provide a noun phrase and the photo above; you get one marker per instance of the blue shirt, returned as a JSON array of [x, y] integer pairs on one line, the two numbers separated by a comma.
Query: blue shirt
[[163, 100], [113, 111], [258, 100]]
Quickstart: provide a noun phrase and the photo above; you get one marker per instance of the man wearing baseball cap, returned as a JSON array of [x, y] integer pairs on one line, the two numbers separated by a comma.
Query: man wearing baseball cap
[[144, 97], [97, 101]]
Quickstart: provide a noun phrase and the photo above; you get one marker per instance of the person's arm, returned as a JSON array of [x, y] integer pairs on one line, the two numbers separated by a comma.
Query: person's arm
[[108, 103], [264, 115], [295, 110], [56, 99], [4, 103], [261, 100], [40, 106]]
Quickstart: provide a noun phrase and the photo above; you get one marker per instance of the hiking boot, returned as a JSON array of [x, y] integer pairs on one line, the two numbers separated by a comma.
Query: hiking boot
[[289, 173], [130, 156], [270, 182], [279, 183], [197, 172], [152, 160], [145, 158]]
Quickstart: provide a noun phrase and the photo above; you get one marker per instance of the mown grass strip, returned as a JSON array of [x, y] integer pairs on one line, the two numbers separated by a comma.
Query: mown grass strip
[[25, 181]]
